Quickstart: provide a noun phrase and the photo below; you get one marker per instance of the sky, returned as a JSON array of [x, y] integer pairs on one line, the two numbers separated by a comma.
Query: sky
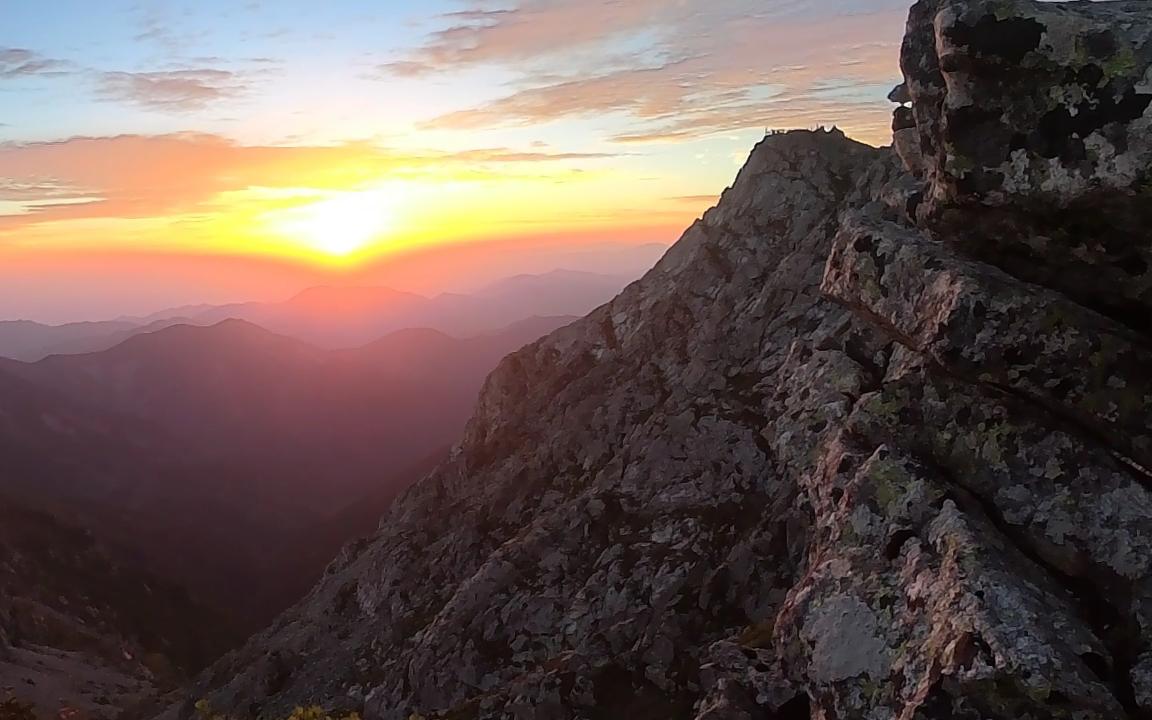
[[165, 152]]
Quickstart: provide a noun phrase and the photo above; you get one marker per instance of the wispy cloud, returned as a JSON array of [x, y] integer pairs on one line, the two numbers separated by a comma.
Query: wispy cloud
[[171, 90], [676, 69], [529, 31], [21, 62], [695, 199], [504, 155], [174, 89]]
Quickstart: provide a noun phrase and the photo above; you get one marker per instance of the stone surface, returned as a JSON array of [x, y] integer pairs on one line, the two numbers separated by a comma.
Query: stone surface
[[842, 453], [1022, 103], [1035, 133]]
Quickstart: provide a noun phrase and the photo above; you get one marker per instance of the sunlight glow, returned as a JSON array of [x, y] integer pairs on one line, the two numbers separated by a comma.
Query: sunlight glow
[[340, 225]]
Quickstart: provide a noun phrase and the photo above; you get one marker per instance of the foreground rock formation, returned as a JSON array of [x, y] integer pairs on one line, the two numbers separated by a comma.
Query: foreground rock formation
[[869, 442]]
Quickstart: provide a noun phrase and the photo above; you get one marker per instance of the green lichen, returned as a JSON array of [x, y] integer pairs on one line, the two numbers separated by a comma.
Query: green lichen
[[959, 165], [1122, 64], [890, 483]]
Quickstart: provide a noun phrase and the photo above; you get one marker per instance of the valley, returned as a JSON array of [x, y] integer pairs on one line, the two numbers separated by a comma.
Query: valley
[[211, 457]]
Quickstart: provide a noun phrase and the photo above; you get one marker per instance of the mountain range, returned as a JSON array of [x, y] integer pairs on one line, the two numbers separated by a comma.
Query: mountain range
[[338, 316], [204, 450]]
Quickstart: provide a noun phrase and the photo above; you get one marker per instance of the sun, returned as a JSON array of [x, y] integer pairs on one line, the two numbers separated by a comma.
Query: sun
[[340, 225]]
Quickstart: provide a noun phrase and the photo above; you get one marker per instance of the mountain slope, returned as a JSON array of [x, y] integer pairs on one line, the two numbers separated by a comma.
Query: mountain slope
[[582, 507], [869, 442], [81, 628], [209, 450]]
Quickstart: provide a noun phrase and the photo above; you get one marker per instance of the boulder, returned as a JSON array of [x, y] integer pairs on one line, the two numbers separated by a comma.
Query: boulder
[[1032, 104], [1035, 134]]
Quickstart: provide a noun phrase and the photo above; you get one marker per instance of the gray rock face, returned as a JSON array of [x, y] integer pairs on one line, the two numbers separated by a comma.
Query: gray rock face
[[1028, 103], [830, 458], [1035, 132]]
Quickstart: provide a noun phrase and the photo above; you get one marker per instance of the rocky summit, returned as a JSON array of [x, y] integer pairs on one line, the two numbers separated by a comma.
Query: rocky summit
[[870, 442]]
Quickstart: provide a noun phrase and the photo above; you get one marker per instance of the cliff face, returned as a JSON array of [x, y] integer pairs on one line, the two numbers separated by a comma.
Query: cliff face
[[869, 442]]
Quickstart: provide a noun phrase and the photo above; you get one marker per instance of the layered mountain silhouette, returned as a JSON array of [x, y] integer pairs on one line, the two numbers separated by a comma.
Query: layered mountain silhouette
[[337, 316], [27, 340], [209, 451]]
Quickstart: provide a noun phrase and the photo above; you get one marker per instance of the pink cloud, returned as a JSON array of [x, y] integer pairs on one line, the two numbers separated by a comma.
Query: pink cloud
[[680, 69], [173, 89], [136, 176]]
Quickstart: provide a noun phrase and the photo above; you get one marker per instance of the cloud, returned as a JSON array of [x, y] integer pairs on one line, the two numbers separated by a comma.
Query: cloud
[[674, 69], [140, 176], [177, 90], [172, 90], [20, 62], [533, 29]]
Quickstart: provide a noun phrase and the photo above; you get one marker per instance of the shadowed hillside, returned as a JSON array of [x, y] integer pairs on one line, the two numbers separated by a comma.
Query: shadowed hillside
[[207, 451], [80, 627]]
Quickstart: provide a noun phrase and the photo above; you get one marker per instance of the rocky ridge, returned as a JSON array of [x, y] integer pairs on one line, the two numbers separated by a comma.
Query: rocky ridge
[[870, 441]]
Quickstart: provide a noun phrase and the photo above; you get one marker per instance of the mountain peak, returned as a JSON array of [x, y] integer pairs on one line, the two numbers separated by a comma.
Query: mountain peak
[[230, 333]]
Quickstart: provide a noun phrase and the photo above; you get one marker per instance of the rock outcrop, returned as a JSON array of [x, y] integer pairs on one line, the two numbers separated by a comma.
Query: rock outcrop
[[1033, 123], [871, 441]]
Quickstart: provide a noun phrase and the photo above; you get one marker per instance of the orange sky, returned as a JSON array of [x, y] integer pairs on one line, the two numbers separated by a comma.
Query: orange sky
[[279, 145]]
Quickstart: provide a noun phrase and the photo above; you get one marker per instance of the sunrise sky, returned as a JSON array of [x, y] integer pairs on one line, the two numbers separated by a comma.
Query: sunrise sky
[[158, 153]]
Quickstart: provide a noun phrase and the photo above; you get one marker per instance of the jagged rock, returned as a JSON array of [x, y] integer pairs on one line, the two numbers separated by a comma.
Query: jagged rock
[[618, 504], [1023, 103], [906, 142], [1035, 129], [979, 322], [900, 94], [843, 453]]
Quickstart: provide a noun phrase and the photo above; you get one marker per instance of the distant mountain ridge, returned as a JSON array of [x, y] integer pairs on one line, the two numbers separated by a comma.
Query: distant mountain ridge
[[27, 340], [264, 435], [339, 316]]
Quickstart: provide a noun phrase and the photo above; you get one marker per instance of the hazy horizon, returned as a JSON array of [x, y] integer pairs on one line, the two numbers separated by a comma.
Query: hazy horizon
[[118, 287]]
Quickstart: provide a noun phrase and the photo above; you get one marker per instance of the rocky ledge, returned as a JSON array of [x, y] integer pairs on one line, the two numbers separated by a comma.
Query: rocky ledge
[[871, 441]]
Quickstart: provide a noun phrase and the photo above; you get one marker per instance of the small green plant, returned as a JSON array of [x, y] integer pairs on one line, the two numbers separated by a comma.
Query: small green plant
[[204, 711], [316, 712]]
